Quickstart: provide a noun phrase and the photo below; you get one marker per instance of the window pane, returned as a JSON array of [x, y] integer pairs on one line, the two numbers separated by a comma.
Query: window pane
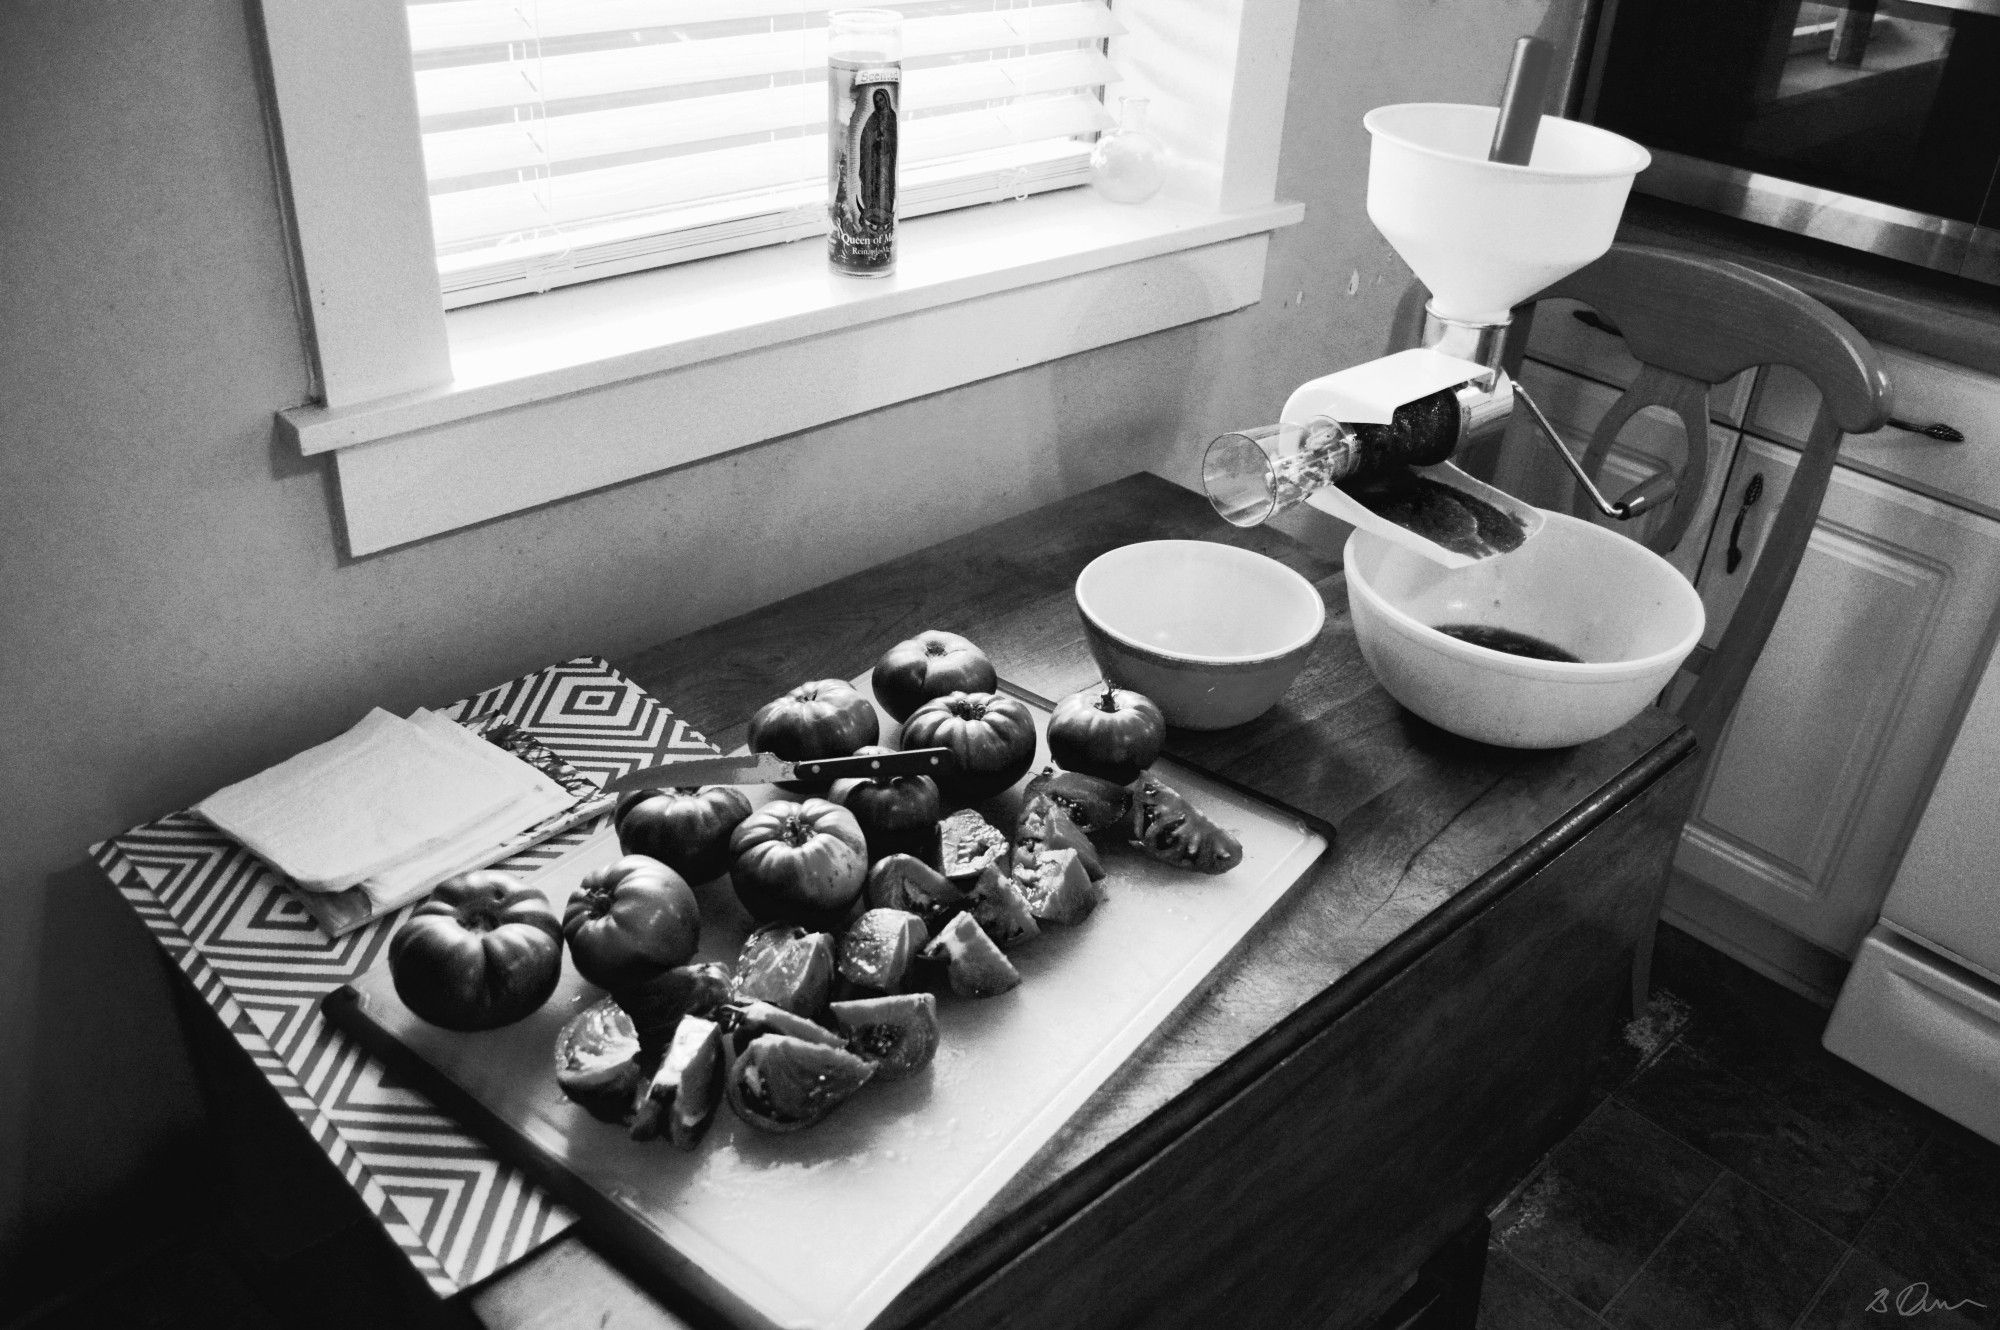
[[571, 139]]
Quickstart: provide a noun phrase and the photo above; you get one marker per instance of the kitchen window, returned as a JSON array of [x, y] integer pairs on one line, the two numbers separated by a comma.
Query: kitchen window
[[439, 418], [570, 140]]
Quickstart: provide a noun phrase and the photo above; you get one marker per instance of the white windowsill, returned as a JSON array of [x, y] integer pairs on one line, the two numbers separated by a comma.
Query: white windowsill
[[563, 393], [527, 350]]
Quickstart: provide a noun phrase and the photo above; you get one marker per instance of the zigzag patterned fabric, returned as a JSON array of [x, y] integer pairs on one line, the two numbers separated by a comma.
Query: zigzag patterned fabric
[[456, 1210]]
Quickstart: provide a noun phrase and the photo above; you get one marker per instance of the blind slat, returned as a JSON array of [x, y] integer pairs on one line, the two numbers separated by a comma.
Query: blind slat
[[562, 139], [472, 215], [529, 81], [457, 24]]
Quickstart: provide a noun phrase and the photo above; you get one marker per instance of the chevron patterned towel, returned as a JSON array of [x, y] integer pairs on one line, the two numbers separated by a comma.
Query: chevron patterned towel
[[235, 927]]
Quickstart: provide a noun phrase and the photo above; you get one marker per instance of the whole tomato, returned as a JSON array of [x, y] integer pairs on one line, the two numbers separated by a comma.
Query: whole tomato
[[687, 830], [992, 735], [930, 665], [629, 921], [800, 862], [898, 815], [482, 951], [1108, 732], [826, 718]]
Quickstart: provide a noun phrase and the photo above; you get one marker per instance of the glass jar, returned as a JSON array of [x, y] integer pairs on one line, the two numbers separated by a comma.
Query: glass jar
[[1128, 165]]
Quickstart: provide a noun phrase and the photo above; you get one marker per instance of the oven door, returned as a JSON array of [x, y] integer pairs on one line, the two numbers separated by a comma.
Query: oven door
[[1874, 125]]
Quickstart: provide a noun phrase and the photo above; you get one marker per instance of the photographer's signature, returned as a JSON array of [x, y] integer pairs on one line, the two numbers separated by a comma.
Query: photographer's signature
[[1916, 1300]]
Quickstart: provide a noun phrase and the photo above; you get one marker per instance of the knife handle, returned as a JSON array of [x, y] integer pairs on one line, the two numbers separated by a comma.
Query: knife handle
[[881, 766]]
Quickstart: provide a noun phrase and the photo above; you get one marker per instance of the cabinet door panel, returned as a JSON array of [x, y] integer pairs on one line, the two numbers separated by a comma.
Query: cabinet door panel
[[1650, 443], [1826, 762]]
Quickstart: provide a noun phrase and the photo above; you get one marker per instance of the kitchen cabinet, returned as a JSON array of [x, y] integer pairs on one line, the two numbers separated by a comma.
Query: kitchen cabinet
[[1827, 761], [1826, 765], [1928, 391]]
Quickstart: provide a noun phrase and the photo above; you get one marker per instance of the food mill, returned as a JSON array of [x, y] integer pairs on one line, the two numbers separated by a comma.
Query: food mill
[[1487, 206]]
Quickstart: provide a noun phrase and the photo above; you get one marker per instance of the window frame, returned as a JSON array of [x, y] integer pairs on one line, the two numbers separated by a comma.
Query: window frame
[[408, 393]]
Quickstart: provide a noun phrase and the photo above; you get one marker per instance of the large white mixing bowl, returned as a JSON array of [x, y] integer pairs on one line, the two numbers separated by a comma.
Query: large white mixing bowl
[[1625, 611]]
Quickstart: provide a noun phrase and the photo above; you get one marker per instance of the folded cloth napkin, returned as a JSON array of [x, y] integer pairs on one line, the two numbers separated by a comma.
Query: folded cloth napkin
[[383, 795], [484, 841]]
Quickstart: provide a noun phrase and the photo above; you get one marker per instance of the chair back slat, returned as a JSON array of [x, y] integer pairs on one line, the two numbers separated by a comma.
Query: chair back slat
[[1723, 676]]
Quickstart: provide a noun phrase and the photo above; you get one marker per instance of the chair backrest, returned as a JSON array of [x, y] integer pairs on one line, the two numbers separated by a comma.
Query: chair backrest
[[1694, 322]]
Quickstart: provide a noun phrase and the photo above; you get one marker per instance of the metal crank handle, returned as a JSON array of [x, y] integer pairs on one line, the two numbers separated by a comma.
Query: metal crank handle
[[1641, 499]]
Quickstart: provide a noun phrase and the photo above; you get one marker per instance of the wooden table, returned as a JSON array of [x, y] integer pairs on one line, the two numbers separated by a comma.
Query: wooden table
[[1403, 1036]]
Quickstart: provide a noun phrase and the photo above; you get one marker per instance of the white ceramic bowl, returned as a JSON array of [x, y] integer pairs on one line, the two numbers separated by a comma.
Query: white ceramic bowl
[[1625, 611], [1212, 633]]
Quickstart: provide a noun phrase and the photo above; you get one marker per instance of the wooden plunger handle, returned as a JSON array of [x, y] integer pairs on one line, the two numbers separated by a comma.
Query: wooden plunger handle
[[1521, 103]]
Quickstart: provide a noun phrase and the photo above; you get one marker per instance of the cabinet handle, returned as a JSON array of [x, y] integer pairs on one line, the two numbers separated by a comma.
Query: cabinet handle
[[1935, 430], [1751, 493], [1591, 319]]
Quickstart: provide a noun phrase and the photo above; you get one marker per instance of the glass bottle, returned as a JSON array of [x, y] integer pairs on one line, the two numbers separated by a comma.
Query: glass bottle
[[864, 84], [1252, 475], [1128, 165]]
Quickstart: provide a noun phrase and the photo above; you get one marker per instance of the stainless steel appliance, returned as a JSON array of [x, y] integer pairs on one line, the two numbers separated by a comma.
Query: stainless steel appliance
[[1921, 1005], [1873, 124]]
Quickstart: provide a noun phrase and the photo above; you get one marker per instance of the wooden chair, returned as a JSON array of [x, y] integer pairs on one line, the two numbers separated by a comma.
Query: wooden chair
[[1692, 323]]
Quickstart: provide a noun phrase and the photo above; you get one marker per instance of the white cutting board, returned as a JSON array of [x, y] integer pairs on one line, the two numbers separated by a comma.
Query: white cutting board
[[824, 1227]]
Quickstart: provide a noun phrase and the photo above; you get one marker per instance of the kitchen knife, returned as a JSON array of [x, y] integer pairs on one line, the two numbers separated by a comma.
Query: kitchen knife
[[768, 769]]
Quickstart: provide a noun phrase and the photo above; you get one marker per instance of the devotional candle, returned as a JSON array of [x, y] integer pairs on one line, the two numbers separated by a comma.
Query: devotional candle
[[864, 85]]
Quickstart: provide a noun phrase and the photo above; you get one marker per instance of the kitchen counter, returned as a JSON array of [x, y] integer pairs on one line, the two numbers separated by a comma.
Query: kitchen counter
[[1933, 314], [1395, 1044]]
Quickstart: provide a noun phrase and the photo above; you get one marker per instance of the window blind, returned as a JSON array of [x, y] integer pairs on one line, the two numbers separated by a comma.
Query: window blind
[[571, 139]]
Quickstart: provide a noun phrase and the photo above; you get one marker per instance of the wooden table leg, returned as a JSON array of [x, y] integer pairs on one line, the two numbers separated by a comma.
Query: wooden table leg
[[1460, 1269], [1642, 956]]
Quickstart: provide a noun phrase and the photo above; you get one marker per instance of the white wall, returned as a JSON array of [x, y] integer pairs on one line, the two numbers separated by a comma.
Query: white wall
[[173, 610]]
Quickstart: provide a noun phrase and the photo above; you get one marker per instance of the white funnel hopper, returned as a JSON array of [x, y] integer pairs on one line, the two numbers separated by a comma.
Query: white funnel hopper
[[1484, 236]]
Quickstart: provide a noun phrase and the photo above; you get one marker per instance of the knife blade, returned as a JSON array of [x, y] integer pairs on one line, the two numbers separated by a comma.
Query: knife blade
[[769, 769]]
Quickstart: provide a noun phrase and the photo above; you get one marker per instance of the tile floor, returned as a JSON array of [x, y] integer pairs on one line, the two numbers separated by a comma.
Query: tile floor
[[1735, 1174], [1731, 1174]]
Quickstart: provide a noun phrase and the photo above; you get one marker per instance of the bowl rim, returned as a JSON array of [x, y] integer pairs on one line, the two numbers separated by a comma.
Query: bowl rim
[[1581, 671], [1233, 552]]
